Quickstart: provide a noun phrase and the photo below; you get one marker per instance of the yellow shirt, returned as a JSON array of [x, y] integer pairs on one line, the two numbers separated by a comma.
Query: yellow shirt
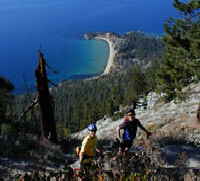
[[89, 145]]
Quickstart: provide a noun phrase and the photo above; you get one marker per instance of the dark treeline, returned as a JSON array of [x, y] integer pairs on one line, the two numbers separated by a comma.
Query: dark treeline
[[78, 102], [90, 100]]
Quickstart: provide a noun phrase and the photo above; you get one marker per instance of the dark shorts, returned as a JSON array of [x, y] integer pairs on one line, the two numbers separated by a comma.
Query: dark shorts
[[86, 162], [126, 144]]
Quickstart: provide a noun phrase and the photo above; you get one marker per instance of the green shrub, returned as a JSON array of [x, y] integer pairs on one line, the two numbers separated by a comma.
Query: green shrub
[[7, 129]]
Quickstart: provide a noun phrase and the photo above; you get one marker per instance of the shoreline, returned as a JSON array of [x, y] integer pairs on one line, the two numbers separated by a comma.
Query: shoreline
[[111, 56], [107, 68]]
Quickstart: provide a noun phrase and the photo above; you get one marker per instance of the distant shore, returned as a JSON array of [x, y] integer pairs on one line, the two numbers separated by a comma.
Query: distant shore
[[111, 57]]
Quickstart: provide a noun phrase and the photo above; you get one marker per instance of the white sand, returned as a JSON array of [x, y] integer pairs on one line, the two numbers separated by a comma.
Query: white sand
[[111, 55]]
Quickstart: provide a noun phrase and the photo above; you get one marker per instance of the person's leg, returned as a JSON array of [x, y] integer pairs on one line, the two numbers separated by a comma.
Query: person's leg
[[122, 146], [86, 167], [127, 146], [83, 166]]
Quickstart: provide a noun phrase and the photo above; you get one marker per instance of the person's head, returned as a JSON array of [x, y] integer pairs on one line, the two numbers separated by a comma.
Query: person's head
[[131, 114], [92, 129]]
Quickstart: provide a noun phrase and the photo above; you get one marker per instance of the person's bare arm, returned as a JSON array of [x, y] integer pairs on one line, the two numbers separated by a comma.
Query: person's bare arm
[[119, 134], [81, 156], [121, 126], [143, 128], [83, 147]]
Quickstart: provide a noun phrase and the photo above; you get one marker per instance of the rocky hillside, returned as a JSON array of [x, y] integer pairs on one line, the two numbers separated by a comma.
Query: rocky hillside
[[174, 125], [157, 116]]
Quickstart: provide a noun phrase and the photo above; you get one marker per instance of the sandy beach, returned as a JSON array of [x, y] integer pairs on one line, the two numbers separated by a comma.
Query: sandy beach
[[112, 53]]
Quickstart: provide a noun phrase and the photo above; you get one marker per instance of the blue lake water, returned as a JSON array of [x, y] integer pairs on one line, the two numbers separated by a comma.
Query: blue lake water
[[57, 27]]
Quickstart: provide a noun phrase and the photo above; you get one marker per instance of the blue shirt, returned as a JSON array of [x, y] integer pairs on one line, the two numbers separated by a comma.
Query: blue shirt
[[130, 129]]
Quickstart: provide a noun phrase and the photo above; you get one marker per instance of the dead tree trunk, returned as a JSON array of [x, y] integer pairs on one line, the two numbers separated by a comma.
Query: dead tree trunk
[[48, 125]]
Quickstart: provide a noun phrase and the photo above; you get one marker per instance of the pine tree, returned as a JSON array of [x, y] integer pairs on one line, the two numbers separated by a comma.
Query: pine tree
[[5, 98], [182, 56]]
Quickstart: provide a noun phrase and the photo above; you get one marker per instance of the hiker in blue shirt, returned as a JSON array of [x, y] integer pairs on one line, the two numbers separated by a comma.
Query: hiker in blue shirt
[[129, 126]]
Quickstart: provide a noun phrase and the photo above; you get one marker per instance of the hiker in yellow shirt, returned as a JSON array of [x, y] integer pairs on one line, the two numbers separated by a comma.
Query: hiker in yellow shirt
[[88, 148]]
